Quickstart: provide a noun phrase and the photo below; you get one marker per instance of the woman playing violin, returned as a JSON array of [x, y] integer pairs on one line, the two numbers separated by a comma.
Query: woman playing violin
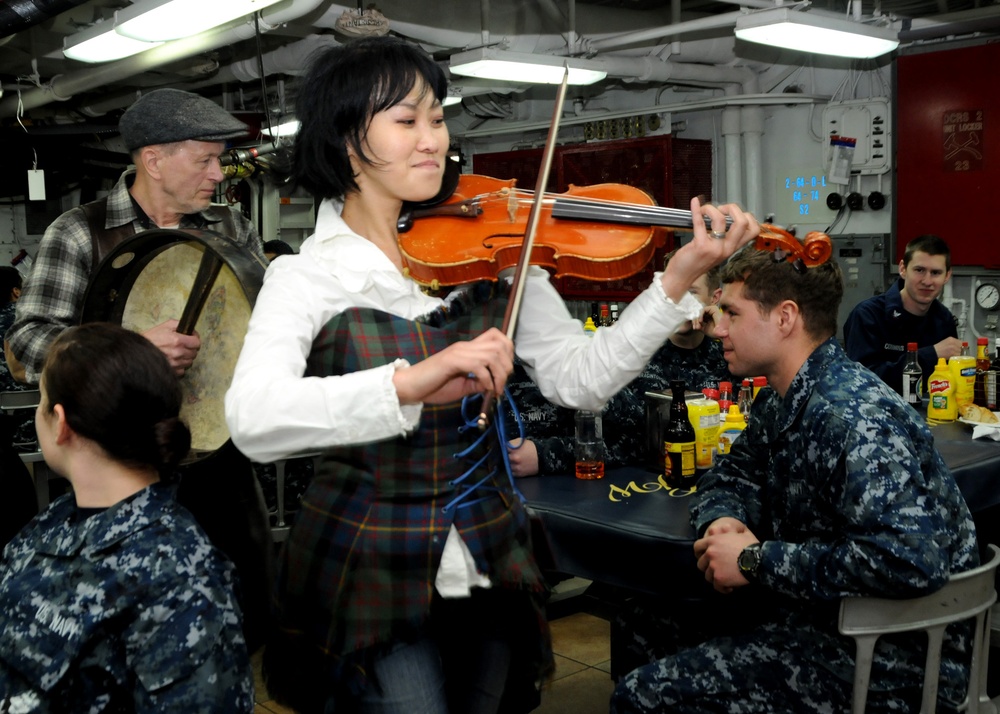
[[408, 581]]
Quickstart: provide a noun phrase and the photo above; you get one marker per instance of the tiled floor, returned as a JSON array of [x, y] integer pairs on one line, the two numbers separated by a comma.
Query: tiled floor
[[582, 681]]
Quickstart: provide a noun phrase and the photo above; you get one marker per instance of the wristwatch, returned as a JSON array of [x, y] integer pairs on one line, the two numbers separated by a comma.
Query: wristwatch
[[749, 561]]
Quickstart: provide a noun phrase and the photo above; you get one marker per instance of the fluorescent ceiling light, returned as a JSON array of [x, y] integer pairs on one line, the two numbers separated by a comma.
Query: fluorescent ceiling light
[[100, 43], [161, 20], [815, 32], [285, 128], [450, 99], [490, 63]]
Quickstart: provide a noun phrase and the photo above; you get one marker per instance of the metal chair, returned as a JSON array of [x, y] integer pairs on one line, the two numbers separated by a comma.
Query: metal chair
[[40, 471], [279, 531], [966, 595]]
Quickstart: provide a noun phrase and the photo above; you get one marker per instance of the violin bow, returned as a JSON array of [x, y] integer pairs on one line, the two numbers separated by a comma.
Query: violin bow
[[534, 216]]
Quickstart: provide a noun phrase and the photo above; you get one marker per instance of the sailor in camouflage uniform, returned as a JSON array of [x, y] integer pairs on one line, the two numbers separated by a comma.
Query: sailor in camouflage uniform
[[688, 354], [691, 353], [834, 490], [112, 599], [549, 429]]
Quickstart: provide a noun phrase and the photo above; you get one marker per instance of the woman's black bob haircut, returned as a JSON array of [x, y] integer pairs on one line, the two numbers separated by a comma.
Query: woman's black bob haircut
[[344, 88]]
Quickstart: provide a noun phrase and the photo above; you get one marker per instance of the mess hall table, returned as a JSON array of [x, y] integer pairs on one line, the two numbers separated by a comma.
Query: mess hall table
[[630, 531]]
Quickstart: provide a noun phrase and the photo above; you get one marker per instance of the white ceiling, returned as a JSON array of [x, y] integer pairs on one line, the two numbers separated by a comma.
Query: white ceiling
[[52, 96]]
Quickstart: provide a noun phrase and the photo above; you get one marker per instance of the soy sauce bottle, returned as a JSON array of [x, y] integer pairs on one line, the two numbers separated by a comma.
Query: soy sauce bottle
[[679, 442], [913, 378]]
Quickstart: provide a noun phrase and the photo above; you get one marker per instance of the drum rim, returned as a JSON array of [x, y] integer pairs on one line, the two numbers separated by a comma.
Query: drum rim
[[100, 306]]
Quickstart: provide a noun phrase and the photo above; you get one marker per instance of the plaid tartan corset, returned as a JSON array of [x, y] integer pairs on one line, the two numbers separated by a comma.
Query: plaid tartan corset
[[360, 563], [359, 339]]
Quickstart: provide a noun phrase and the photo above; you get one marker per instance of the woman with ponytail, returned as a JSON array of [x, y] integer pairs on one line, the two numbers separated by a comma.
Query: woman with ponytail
[[113, 599]]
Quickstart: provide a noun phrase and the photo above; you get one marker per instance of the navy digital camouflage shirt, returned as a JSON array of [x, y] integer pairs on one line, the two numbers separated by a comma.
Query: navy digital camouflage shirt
[[841, 482], [701, 367], [624, 416], [127, 610]]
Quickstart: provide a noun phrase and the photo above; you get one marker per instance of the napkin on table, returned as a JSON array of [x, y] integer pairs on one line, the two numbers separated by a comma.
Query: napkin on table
[[986, 431]]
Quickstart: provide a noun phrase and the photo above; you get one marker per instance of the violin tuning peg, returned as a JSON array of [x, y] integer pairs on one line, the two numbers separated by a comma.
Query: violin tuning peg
[[800, 266], [778, 255]]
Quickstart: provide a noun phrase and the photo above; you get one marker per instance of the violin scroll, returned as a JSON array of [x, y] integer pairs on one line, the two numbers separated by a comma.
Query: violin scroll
[[815, 250]]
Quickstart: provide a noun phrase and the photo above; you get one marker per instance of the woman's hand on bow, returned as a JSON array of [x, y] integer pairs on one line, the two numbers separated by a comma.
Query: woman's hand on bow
[[477, 366]]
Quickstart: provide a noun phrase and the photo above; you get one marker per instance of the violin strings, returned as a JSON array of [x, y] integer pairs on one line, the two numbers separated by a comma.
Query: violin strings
[[607, 211]]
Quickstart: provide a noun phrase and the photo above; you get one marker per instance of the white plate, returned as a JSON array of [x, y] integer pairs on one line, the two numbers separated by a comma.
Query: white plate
[[979, 423]]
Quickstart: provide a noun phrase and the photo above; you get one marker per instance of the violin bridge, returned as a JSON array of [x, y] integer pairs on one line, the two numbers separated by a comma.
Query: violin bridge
[[511, 206]]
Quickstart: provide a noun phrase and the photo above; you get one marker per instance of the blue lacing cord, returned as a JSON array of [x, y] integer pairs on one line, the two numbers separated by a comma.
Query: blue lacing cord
[[501, 428], [471, 416]]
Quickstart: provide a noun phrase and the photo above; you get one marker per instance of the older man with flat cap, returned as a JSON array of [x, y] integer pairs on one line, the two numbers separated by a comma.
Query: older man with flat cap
[[175, 139]]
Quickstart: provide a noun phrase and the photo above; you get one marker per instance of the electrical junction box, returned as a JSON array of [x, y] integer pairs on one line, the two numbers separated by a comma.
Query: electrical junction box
[[866, 121], [864, 261]]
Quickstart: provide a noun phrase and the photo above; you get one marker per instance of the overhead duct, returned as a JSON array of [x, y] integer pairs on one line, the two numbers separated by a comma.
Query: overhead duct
[[967, 22], [291, 59], [17, 15]]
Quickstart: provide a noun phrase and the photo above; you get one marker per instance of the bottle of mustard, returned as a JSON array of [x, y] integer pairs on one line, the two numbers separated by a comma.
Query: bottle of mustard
[[731, 428], [963, 376], [941, 404]]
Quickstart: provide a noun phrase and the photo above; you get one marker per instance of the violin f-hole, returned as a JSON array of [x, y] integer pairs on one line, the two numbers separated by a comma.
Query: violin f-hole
[[488, 245]]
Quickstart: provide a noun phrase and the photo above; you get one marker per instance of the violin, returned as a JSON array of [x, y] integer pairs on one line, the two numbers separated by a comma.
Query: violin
[[477, 233], [602, 232]]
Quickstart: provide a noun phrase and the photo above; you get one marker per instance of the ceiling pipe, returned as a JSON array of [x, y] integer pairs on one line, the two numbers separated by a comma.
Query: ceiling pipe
[[572, 41], [65, 86], [553, 11], [732, 151], [291, 59], [676, 12], [761, 4], [981, 19], [648, 69], [752, 135], [497, 129], [17, 15], [484, 21], [715, 22]]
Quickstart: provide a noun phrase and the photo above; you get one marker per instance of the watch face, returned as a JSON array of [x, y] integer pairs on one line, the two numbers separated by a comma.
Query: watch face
[[749, 559], [988, 296]]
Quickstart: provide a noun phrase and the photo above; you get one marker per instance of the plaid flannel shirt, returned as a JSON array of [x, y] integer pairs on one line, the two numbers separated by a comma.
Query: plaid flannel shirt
[[52, 298]]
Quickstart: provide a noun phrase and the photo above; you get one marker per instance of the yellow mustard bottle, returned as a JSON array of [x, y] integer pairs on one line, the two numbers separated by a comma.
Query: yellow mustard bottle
[[731, 428], [703, 413], [941, 404], [963, 373]]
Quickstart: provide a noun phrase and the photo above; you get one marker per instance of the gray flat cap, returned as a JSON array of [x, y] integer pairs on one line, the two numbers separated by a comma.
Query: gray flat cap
[[167, 115]]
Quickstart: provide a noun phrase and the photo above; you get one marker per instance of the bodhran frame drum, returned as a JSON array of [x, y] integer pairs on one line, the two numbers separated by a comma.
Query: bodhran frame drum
[[155, 276]]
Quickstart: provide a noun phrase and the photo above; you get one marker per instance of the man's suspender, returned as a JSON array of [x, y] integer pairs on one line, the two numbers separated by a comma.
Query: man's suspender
[[107, 239], [103, 239]]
